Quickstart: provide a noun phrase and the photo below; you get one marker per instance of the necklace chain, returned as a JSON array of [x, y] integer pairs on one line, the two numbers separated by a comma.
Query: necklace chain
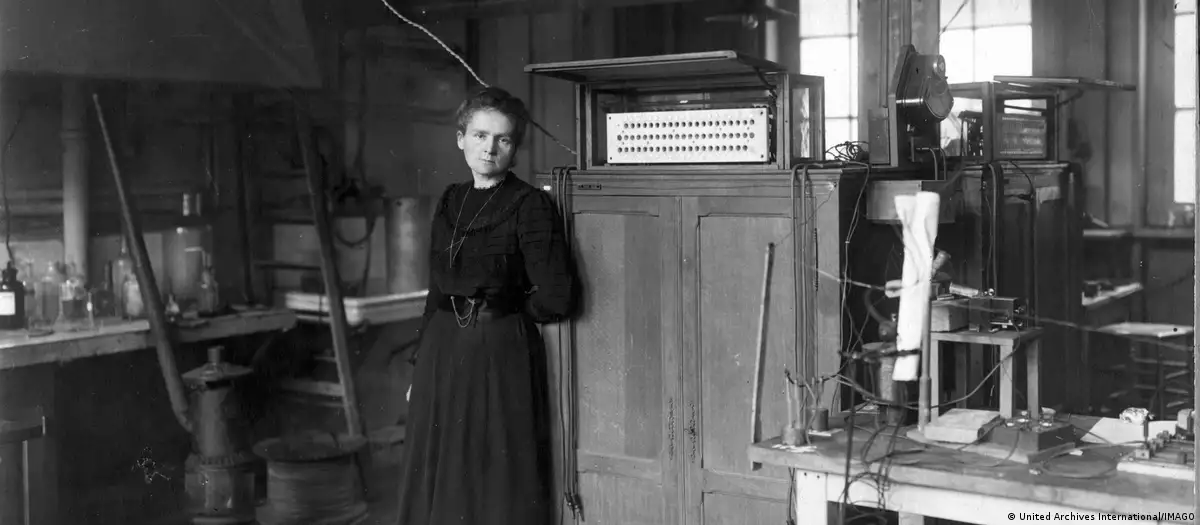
[[456, 245]]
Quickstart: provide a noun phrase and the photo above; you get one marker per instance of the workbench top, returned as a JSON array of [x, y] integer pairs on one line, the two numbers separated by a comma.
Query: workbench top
[[114, 336], [947, 469]]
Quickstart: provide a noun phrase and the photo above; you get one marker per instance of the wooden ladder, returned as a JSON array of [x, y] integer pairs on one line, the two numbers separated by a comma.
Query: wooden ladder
[[329, 273]]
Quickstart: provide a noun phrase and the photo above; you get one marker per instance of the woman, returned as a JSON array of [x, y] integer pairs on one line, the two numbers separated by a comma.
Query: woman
[[477, 438]]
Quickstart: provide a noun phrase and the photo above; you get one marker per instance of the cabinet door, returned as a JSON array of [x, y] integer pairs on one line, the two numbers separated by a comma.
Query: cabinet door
[[625, 359], [724, 246]]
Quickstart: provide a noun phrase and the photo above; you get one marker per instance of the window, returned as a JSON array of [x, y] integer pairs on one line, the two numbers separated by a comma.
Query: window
[[981, 39], [829, 48], [985, 38], [1185, 101]]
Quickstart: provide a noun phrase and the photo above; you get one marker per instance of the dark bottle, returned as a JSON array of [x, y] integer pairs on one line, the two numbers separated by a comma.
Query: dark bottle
[[12, 300]]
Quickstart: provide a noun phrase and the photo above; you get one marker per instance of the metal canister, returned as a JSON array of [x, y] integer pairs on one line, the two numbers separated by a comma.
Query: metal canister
[[220, 475]]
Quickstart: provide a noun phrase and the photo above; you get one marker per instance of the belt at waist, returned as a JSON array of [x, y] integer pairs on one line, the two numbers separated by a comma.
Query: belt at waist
[[484, 308]]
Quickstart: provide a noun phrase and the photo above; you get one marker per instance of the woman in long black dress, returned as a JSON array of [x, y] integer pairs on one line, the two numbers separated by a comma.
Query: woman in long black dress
[[477, 440]]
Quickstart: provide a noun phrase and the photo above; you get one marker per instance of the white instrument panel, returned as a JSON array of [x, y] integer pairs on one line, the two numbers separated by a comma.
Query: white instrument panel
[[703, 136]]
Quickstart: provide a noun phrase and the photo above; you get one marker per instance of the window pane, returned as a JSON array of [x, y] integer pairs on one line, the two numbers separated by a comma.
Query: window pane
[[947, 10], [1002, 12], [825, 17], [830, 58], [1185, 61], [837, 131], [1185, 6], [1003, 51], [1185, 155], [958, 48], [854, 77]]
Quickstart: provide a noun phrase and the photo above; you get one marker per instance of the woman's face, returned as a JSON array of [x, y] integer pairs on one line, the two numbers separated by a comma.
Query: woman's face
[[488, 143]]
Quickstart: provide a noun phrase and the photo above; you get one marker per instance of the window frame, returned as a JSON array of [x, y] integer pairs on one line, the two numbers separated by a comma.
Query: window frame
[[851, 116], [1188, 197]]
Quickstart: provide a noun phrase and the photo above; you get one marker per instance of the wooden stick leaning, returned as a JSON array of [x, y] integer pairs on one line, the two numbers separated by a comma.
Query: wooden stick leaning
[[760, 351]]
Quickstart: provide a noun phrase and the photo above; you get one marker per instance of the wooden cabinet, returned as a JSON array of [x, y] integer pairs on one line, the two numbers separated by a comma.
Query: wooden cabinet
[[658, 368], [626, 359]]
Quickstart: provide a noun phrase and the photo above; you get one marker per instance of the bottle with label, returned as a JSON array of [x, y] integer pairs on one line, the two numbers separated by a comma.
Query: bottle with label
[[12, 299]]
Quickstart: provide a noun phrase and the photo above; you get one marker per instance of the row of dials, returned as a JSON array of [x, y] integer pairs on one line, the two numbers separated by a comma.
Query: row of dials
[[701, 124], [673, 149], [686, 136]]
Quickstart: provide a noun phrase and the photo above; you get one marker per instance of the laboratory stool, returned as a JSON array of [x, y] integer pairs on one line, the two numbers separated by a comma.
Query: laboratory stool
[[1159, 366], [1009, 343], [23, 432]]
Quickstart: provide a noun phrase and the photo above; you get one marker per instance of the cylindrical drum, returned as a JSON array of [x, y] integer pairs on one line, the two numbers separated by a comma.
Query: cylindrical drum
[[891, 391], [312, 482], [408, 243]]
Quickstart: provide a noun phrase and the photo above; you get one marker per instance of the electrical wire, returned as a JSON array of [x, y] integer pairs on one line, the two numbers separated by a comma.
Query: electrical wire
[[469, 69], [12, 133]]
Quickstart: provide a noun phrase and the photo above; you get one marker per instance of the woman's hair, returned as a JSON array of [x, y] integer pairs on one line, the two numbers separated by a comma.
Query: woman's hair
[[498, 100]]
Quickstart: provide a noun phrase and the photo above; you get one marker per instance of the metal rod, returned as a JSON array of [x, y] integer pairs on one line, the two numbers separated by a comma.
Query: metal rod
[[924, 407], [146, 281], [25, 483], [333, 289]]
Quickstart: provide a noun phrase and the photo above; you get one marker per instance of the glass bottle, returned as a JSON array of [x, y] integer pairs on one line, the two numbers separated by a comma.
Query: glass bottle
[[12, 299], [48, 290], [31, 305], [121, 270]]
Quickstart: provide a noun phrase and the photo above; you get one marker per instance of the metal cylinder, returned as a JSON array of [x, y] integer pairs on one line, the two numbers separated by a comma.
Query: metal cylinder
[[408, 244], [891, 392], [818, 419], [220, 480]]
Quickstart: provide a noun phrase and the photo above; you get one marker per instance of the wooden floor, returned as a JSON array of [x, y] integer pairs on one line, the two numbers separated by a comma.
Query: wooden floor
[[383, 480]]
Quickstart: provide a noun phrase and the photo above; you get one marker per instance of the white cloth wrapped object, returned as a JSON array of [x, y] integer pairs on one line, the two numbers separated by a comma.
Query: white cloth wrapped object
[[919, 221]]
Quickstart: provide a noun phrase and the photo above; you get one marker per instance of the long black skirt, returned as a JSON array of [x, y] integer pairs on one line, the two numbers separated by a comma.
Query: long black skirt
[[477, 439]]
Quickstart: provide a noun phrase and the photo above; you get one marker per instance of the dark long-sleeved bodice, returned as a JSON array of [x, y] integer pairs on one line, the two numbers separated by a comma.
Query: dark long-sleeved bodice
[[505, 244], [477, 434]]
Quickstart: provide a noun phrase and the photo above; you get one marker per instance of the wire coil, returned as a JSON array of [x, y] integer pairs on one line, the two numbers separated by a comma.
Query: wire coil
[[311, 489]]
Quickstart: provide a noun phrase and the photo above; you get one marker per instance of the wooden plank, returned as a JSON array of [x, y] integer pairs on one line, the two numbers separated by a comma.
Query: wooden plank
[[1111, 296], [1003, 337], [17, 349]]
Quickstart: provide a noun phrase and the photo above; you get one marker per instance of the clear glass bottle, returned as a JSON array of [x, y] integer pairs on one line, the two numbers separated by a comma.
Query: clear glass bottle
[[49, 289], [31, 305], [120, 271], [72, 296]]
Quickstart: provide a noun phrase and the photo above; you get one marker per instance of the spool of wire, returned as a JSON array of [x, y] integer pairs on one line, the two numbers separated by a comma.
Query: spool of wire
[[312, 481]]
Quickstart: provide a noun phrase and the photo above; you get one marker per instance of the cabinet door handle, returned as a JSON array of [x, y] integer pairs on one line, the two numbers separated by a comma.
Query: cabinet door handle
[[671, 428], [691, 432]]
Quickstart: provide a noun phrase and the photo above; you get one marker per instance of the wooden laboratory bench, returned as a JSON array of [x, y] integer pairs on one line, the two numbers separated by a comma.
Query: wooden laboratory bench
[[101, 415], [114, 336], [947, 484]]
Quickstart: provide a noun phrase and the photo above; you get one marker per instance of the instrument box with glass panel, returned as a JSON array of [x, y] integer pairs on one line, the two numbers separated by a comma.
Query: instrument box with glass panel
[[1013, 118], [719, 109]]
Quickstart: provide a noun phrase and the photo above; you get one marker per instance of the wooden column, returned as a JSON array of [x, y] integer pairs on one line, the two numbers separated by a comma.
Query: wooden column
[[883, 27], [74, 174]]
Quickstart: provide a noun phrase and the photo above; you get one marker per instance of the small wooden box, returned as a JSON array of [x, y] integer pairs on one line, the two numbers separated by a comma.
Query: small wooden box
[[881, 199], [948, 315]]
